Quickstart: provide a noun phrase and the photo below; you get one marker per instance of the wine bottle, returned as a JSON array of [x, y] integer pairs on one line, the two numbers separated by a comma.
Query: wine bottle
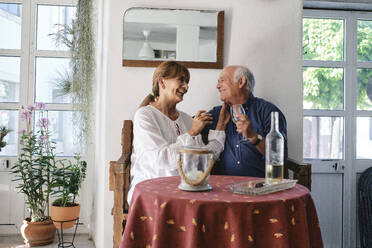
[[274, 152]]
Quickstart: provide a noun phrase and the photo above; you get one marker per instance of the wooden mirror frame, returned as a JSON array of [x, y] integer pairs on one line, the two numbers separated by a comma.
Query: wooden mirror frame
[[190, 64]]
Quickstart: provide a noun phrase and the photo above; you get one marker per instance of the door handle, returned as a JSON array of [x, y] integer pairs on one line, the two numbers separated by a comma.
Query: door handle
[[337, 167], [4, 163]]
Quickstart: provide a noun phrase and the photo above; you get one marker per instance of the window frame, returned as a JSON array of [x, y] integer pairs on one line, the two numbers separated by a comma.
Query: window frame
[[330, 64], [28, 54], [350, 65]]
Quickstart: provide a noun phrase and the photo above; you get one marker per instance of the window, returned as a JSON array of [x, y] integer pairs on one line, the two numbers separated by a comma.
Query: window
[[337, 84], [33, 67], [323, 88]]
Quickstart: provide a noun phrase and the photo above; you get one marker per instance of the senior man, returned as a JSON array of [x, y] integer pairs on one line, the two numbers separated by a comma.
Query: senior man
[[244, 157]]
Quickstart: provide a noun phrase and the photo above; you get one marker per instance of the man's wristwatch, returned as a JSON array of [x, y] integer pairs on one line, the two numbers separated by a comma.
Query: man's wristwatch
[[258, 140]]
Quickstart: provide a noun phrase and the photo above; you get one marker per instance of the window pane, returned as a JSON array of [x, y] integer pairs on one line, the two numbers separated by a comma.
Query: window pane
[[10, 25], [51, 77], [364, 89], [323, 88], [364, 138], [9, 118], [323, 137], [50, 20], [9, 79], [364, 40], [323, 39], [61, 130]]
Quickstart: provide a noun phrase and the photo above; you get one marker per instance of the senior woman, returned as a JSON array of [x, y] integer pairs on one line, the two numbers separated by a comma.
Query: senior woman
[[160, 128]]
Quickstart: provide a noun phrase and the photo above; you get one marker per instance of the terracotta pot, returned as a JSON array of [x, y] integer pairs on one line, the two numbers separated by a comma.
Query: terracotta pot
[[38, 233], [59, 214]]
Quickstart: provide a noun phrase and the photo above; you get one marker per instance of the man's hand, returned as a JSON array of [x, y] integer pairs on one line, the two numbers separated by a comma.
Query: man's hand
[[223, 119], [201, 119], [244, 127]]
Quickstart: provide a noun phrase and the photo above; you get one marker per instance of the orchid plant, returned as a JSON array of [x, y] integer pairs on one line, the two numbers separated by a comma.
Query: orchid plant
[[36, 162], [39, 173]]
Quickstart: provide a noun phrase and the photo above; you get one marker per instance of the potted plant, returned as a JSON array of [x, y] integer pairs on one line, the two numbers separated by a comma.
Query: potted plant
[[33, 172], [67, 180]]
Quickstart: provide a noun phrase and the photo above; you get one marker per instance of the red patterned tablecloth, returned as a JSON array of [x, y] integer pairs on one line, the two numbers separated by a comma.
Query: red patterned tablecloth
[[162, 216]]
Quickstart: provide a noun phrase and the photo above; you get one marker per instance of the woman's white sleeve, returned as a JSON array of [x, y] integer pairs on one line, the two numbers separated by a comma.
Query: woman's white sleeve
[[216, 142], [148, 136]]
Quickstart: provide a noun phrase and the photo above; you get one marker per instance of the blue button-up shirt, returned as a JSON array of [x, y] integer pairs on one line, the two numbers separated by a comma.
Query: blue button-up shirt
[[241, 158]]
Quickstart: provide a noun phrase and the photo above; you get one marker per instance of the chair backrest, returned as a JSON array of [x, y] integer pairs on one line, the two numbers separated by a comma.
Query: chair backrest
[[299, 171], [120, 182], [124, 160]]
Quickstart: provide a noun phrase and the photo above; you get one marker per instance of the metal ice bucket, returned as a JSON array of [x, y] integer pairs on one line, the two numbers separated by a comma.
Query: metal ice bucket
[[194, 166]]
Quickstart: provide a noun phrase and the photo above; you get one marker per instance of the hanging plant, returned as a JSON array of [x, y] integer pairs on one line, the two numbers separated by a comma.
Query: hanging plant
[[79, 81], [82, 69]]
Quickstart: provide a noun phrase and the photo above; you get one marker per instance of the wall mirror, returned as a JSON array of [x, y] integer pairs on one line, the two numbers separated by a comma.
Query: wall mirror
[[192, 37]]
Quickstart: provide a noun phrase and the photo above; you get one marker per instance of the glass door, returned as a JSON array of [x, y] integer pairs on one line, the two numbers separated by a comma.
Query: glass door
[[337, 123]]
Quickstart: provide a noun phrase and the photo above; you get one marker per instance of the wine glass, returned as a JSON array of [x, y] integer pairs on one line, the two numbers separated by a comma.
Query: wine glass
[[235, 110]]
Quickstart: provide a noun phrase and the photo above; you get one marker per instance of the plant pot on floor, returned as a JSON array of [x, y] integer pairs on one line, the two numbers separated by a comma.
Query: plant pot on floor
[[59, 214], [38, 233]]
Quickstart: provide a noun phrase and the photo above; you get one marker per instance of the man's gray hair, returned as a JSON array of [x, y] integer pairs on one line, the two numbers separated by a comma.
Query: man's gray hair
[[242, 71]]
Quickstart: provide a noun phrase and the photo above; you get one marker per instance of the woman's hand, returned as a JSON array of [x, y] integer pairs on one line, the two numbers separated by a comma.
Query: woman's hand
[[244, 127], [223, 119], [201, 119]]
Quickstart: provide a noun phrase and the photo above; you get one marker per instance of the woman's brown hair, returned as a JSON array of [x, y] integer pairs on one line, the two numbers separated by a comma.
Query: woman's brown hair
[[167, 70]]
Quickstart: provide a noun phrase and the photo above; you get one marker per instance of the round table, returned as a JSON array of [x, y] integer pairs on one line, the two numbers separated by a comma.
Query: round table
[[161, 216]]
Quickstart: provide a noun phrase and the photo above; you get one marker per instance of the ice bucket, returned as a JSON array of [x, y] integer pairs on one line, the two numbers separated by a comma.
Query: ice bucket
[[194, 166]]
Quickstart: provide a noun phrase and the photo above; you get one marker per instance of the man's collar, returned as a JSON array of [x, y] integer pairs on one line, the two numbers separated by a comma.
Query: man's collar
[[249, 101]]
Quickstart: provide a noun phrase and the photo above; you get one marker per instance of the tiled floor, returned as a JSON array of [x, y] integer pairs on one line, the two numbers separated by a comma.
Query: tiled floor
[[16, 241]]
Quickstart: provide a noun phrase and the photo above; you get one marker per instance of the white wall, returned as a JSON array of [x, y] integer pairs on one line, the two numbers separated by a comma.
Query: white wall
[[264, 35]]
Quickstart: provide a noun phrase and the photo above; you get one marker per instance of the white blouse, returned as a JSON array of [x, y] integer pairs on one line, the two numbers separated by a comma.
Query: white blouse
[[156, 139]]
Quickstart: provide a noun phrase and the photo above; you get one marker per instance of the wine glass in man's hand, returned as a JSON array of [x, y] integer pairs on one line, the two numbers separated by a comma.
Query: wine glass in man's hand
[[235, 111]]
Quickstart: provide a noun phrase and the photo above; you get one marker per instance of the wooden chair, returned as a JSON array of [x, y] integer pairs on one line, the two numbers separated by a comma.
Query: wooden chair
[[120, 180], [299, 171]]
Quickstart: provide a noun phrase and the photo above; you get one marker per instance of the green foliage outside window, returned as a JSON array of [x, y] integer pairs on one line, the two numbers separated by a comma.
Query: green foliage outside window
[[323, 39]]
